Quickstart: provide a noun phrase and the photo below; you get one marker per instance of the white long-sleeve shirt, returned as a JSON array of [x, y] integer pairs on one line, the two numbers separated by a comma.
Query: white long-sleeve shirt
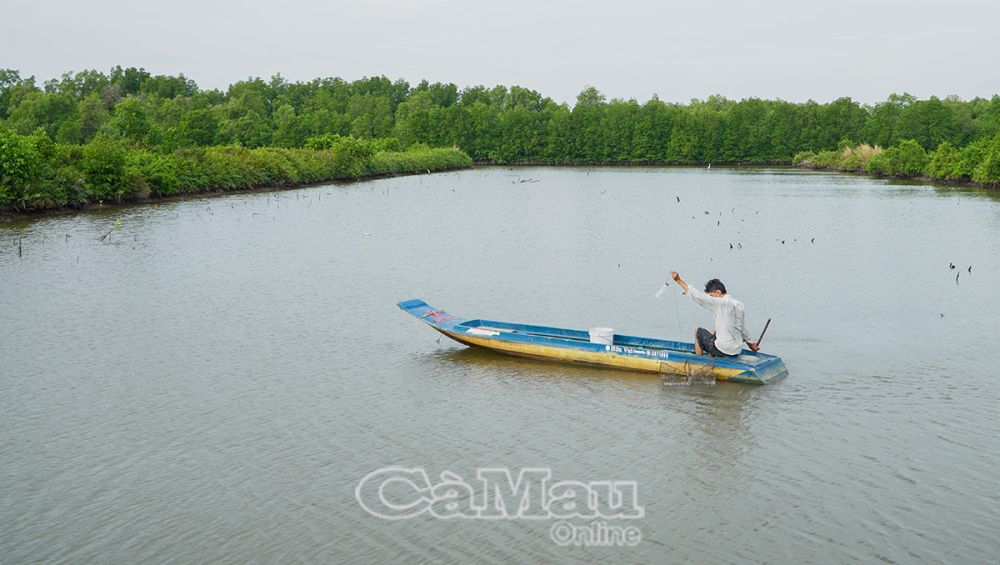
[[730, 324]]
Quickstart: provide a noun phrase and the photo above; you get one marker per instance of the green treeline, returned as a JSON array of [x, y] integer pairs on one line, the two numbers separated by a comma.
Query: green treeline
[[166, 123]]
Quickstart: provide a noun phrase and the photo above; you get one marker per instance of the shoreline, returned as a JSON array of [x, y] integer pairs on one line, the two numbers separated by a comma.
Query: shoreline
[[916, 179], [538, 163], [8, 216], [963, 183]]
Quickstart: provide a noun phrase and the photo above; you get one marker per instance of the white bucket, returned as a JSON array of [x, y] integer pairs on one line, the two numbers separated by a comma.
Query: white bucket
[[604, 336]]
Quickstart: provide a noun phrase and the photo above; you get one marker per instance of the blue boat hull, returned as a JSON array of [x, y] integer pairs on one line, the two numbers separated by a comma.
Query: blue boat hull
[[573, 346]]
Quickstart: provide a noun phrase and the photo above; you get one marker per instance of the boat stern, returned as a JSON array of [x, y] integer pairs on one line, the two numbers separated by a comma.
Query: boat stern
[[762, 373]]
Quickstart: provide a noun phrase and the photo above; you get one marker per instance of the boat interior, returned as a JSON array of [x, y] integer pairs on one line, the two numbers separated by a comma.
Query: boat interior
[[492, 327]]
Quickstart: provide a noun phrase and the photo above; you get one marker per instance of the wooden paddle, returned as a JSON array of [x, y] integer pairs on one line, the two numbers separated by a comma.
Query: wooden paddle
[[763, 332]]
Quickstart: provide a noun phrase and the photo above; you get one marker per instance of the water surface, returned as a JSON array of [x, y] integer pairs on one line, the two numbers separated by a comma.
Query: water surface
[[214, 380]]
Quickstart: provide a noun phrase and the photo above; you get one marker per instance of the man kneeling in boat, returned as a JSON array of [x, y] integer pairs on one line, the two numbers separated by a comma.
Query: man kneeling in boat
[[726, 340]]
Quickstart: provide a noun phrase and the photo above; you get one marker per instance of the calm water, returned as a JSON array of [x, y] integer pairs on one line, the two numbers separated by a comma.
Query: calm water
[[213, 383]]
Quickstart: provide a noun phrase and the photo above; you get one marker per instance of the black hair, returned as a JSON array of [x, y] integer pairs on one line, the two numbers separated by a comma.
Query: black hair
[[715, 284]]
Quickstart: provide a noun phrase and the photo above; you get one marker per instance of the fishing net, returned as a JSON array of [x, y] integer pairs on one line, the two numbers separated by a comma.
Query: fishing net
[[688, 373]]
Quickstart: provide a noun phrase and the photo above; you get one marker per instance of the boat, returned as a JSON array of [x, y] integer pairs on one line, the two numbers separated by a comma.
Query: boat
[[575, 346]]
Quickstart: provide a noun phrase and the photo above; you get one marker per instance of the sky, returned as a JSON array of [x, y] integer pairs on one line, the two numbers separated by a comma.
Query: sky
[[790, 49]]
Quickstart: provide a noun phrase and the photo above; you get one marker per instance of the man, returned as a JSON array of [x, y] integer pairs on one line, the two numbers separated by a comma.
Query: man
[[726, 340]]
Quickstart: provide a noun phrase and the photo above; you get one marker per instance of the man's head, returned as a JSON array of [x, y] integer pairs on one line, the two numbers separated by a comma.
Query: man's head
[[715, 287]]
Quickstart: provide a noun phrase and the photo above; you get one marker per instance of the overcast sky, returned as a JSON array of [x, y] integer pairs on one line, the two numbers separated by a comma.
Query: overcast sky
[[789, 49]]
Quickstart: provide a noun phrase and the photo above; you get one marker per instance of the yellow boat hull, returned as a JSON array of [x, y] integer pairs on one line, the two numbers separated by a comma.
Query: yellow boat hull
[[610, 360]]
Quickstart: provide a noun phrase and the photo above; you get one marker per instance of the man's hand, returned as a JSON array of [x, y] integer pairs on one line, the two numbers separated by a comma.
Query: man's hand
[[677, 279], [753, 347]]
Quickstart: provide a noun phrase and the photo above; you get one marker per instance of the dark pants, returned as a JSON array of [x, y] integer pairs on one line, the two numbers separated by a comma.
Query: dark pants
[[706, 340]]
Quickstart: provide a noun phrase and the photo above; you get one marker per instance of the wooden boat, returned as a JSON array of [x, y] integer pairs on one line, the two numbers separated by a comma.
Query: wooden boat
[[574, 346]]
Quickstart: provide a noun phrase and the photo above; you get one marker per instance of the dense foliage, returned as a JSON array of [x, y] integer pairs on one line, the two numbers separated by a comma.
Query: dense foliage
[[38, 173], [93, 135], [978, 161]]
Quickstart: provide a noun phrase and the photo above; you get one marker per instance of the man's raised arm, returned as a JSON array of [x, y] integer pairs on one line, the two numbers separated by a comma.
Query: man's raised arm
[[695, 294]]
